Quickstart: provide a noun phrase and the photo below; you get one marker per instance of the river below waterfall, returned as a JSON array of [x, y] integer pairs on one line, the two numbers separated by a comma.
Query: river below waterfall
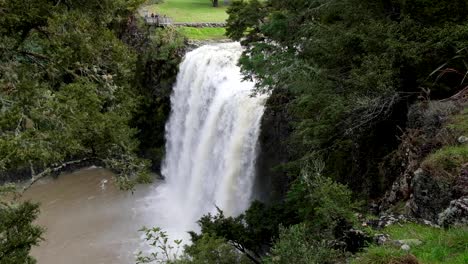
[[212, 144], [88, 219]]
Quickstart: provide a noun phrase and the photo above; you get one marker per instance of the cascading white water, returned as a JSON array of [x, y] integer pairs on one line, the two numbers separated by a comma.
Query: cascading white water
[[211, 139]]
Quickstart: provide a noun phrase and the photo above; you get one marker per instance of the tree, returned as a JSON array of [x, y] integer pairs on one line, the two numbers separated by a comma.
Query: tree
[[66, 86], [18, 234], [351, 69], [215, 3], [210, 249], [295, 245]]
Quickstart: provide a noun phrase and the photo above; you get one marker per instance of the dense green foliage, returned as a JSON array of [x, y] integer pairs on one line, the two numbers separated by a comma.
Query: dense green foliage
[[317, 213], [207, 249], [295, 246], [17, 231], [66, 85], [78, 80], [352, 67], [351, 70]]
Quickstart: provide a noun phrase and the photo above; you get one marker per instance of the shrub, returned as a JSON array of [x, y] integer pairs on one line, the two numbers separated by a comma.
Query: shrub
[[296, 246]]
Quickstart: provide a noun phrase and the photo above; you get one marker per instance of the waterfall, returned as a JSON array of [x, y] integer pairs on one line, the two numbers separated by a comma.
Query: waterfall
[[211, 139]]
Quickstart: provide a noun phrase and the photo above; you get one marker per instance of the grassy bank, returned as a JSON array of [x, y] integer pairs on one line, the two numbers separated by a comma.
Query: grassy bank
[[438, 246], [190, 10], [203, 33]]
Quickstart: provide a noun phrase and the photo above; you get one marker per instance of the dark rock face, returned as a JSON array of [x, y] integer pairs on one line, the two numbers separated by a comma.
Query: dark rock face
[[275, 131], [457, 211], [194, 44], [133, 35], [422, 192], [17, 175], [440, 200], [430, 196], [461, 183]]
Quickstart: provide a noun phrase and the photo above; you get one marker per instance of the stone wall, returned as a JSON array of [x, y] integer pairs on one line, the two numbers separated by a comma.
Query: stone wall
[[200, 25]]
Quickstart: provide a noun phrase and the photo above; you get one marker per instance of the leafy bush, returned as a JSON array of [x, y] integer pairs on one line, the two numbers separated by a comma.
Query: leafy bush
[[163, 251], [213, 250], [321, 202], [296, 245], [207, 249]]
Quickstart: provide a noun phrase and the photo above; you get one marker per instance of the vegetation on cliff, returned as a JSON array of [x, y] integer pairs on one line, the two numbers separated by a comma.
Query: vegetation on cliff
[[375, 90], [79, 80], [17, 231], [66, 85], [372, 93]]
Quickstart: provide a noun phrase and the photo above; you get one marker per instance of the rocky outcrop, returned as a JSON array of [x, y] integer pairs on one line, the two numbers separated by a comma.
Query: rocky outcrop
[[194, 44], [456, 213], [430, 196], [424, 189], [441, 201]]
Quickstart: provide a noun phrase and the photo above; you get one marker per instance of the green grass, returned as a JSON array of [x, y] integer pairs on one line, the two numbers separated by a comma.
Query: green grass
[[190, 10], [447, 160], [439, 246], [459, 123], [202, 33]]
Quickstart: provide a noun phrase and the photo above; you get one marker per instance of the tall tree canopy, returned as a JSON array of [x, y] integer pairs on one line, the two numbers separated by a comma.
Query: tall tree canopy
[[66, 84], [352, 67]]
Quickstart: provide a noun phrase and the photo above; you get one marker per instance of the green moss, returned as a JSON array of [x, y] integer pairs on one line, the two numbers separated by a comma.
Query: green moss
[[447, 160], [459, 123], [203, 33], [438, 245]]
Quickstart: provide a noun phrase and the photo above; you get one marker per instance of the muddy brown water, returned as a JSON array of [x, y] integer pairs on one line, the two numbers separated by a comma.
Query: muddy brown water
[[88, 219]]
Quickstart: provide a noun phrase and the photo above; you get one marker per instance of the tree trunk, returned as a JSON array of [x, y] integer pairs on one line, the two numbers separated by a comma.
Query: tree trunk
[[215, 3]]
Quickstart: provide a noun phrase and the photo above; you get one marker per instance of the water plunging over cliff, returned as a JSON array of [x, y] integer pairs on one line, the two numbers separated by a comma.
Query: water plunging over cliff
[[211, 151], [211, 138]]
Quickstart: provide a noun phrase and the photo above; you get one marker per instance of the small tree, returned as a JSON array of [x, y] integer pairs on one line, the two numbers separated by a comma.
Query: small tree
[[17, 232], [165, 251]]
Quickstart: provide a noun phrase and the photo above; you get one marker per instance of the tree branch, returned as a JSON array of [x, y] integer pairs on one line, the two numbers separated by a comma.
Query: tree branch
[[48, 171]]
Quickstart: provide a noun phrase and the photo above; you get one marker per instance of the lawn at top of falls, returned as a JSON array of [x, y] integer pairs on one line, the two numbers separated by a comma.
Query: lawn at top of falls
[[189, 10]]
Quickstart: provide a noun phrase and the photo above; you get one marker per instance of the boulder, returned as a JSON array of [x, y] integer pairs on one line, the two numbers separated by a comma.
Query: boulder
[[455, 214], [430, 196], [405, 247], [462, 140], [410, 242]]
